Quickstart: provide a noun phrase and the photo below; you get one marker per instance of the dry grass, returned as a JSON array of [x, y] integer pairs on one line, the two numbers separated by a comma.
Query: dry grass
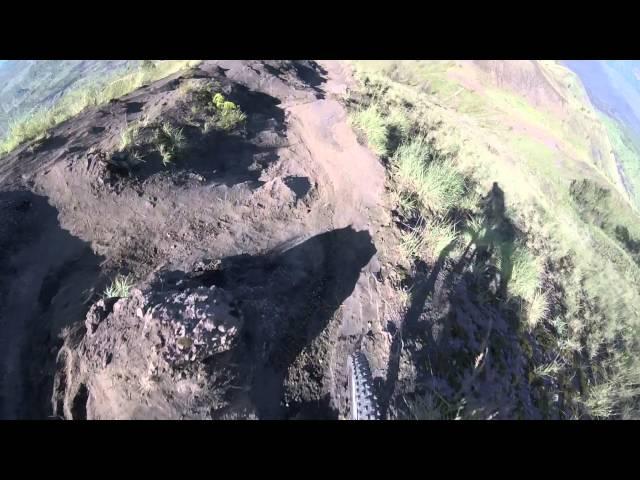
[[428, 239]]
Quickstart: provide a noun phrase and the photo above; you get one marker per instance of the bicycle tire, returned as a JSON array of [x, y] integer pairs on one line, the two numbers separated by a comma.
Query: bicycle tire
[[364, 403]]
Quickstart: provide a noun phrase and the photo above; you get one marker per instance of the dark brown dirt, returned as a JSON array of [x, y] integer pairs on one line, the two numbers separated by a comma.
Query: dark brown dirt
[[290, 207]]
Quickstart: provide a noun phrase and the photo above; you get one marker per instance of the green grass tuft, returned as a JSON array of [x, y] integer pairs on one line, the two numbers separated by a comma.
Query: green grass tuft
[[422, 169], [371, 124], [537, 309], [169, 140], [129, 136], [218, 111], [229, 116], [525, 274], [119, 288]]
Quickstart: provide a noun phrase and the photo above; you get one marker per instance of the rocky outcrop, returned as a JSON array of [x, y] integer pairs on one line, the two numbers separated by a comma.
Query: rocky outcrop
[[155, 354]]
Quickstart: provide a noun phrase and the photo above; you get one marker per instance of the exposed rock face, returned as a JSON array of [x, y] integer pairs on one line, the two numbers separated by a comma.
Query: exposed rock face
[[155, 354]]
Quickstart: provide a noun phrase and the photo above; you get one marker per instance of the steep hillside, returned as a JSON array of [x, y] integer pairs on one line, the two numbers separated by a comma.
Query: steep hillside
[[564, 250], [38, 95], [29, 84]]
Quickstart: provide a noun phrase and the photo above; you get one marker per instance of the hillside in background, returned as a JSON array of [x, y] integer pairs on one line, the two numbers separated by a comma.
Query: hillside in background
[[29, 84], [614, 89]]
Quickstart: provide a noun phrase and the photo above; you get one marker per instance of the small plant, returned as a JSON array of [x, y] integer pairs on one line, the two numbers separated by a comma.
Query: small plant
[[477, 225], [430, 237], [407, 204], [538, 309], [413, 242], [119, 288], [370, 122], [550, 369], [166, 154], [441, 234], [600, 401], [200, 95], [135, 158], [218, 100], [229, 116], [170, 140], [129, 136], [524, 274], [218, 111], [171, 135], [559, 325], [569, 345], [424, 170]]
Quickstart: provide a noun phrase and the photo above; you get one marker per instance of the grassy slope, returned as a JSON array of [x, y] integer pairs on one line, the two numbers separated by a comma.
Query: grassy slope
[[534, 152], [29, 84], [70, 94]]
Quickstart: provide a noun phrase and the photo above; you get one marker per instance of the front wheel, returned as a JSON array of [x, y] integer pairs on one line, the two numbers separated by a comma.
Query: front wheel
[[364, 404]]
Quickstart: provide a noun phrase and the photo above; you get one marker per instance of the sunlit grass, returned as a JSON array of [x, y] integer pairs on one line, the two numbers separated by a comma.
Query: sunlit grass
[[425, 171]]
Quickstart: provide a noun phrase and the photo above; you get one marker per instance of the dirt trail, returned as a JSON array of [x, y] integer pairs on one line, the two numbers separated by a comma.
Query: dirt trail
[[353, 179], [292, 206]]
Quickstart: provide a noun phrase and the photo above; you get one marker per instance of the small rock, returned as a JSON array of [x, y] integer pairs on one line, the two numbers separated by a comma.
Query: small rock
[[139, 313], [184, 343], [221, 328]]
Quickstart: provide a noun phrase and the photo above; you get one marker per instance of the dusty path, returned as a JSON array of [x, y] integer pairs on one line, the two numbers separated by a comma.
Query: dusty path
[[353, 179], [294, 207], [350, 185]]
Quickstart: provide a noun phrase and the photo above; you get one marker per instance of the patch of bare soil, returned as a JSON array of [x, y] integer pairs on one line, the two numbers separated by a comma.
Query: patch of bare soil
[[262, 256]]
